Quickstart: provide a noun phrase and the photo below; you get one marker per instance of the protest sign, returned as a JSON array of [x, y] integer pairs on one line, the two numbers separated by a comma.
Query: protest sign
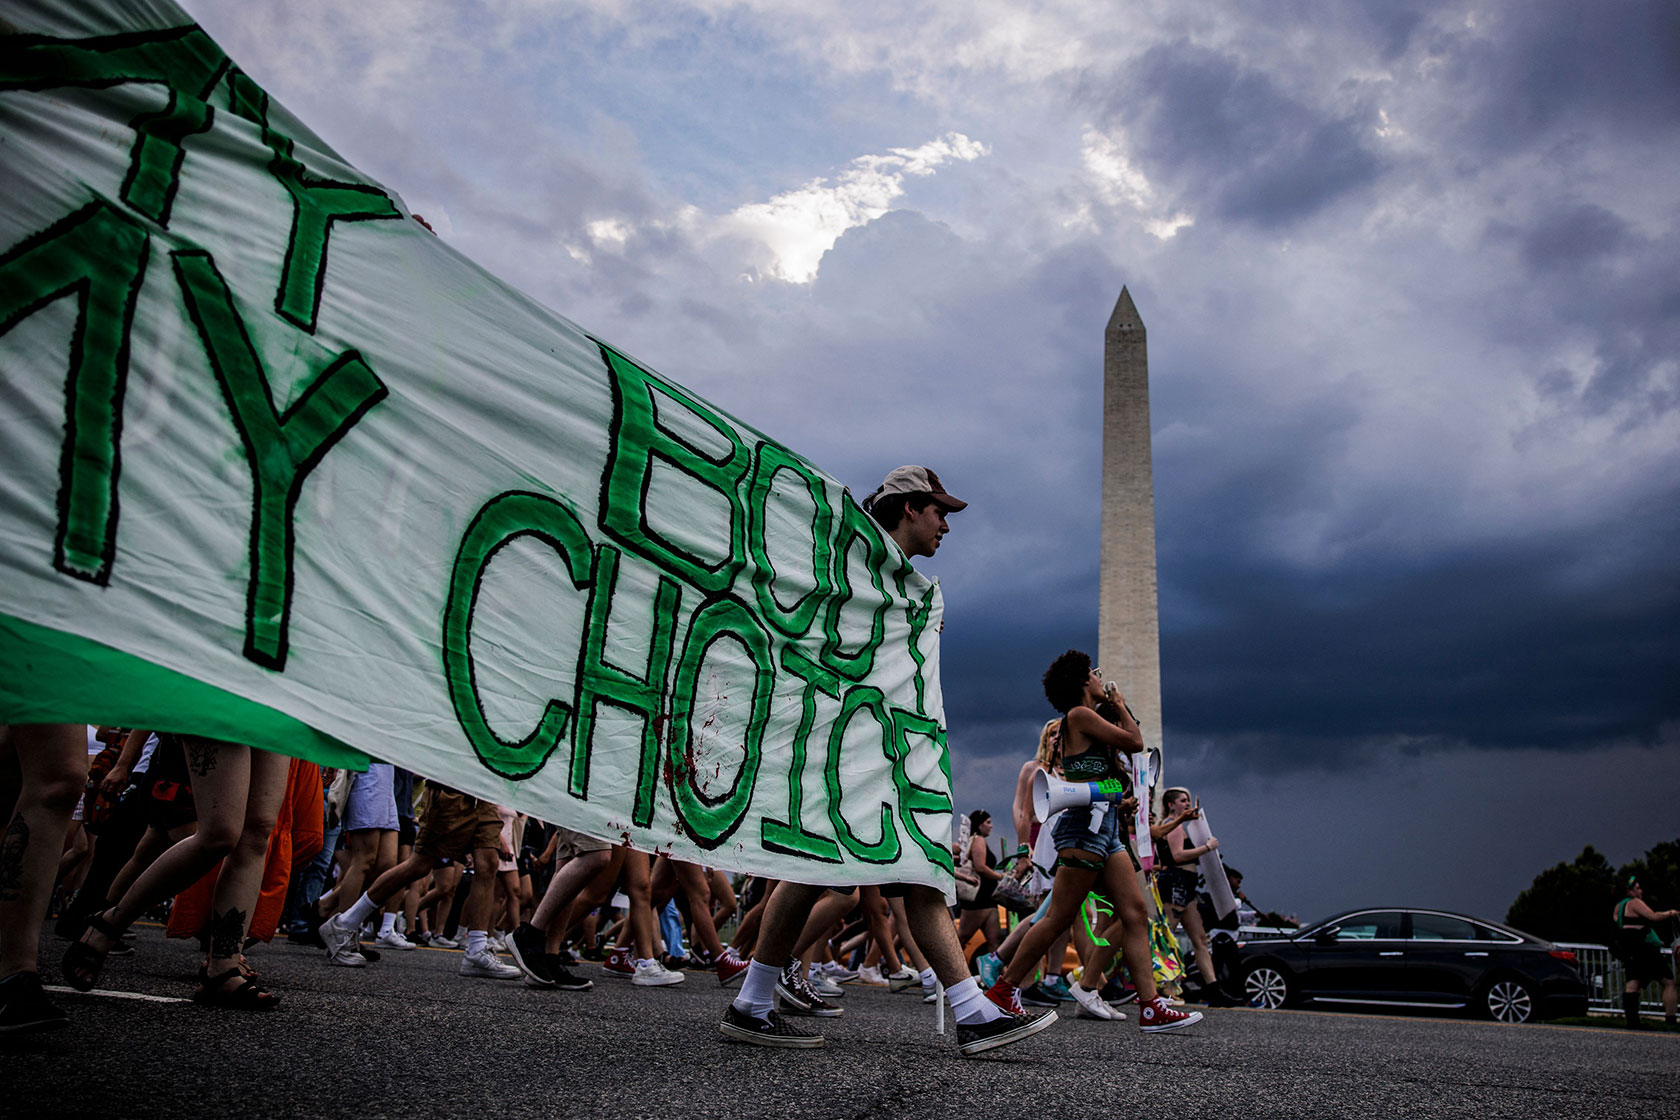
[[281, 467]]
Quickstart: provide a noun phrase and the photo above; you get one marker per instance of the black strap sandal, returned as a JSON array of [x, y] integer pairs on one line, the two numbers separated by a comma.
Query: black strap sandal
[[246, 995], [82, 962]]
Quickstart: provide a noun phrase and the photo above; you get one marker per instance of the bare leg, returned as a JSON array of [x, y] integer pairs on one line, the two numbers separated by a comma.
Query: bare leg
[[1191, 916], [1067, 894], [639, 923], [827, 911], [361, 866], [692, 877], [930, 924], [240, 880], [785, 913], [221, 779], [481, 901], [879, 919], [569, 886], [901, 922], [1133, 916], [1006, 951], [723, 897], [50, 760]]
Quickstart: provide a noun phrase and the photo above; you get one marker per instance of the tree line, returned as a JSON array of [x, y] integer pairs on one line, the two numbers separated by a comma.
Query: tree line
[[1573, 901]]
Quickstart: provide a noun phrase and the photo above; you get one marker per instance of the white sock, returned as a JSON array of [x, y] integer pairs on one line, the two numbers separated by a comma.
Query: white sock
[[758, 990], [928, 979], [478, 941], [387, 924], [970, 1005], [360, 911]]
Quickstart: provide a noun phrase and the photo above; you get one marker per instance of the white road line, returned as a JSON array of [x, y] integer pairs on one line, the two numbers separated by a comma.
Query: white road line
[[115, 995]]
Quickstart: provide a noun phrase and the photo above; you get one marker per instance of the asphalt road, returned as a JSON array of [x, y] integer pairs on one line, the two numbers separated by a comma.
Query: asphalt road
[[410, 1038]]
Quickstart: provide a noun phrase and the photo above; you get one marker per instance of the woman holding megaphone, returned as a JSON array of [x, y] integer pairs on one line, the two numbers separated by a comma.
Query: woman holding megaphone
[[1091, 847]]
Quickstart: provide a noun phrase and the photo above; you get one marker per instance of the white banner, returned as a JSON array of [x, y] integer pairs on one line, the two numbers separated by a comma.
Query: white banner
[[281, 467]]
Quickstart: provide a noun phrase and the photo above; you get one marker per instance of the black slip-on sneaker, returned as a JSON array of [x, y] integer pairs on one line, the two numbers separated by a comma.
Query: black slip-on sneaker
[[526, 948], [977, 1038], [772, 1031], [564, 978]]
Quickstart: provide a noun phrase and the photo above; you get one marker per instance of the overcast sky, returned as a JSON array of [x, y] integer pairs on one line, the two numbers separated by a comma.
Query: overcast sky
[[1409, 276]]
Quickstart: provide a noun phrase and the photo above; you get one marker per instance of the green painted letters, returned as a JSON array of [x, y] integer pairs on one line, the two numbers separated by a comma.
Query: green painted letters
[[708, 820], [791, 837], [602, 682], [282, 448], [98, 255], [863, 698], [637, 441], [502, 520]]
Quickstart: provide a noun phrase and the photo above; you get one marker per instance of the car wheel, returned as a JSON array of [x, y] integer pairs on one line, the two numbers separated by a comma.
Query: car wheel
[[1508, 1000], [1266, 986]]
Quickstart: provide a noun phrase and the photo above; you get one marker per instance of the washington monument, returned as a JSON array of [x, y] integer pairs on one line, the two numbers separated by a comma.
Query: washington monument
[[1128, 632]]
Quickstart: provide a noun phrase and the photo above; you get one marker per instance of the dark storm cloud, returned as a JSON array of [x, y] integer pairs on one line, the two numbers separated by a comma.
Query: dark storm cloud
[[1587, 267], [1231, 140], [1533, 69]]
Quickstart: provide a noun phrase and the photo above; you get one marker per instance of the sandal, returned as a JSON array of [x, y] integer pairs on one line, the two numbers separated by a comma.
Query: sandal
[[247, 995], [82, 962]]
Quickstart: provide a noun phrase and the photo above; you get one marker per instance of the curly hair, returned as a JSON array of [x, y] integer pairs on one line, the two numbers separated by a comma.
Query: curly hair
[[1064, 681]]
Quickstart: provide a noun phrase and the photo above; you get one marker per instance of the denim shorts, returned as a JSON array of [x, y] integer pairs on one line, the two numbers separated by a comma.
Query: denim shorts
[[1093, 828]]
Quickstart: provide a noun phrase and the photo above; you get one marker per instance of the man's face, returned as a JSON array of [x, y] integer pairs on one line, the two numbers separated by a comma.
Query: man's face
[[922, 530]]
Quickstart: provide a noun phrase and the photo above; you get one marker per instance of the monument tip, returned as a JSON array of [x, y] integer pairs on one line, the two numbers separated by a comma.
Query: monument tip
[[1125, 318]]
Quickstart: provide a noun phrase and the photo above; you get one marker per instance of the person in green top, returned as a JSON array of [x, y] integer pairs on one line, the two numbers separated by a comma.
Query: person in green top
[[1641, 948]]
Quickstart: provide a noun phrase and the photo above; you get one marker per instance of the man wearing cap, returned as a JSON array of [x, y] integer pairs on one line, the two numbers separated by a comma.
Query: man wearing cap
[[911, 505]]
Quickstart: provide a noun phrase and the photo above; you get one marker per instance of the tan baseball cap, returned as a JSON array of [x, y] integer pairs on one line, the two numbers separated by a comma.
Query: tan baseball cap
[[914, 480]]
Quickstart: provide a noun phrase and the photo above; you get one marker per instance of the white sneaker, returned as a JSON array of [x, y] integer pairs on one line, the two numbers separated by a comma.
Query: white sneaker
[[485, 964], [338, 938], [902, 979], [498, 943], [348, 957], [652, 974], [825, 987], [930, 995], [439, 941], [394, 940], [1090, 1003], [837, 972], [871, 975]]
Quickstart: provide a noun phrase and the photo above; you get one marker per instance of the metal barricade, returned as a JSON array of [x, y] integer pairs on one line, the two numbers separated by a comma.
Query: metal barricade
[[1605, 976]]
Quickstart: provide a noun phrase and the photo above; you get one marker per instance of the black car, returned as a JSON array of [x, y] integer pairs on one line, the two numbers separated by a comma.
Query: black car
[[1415, 958]]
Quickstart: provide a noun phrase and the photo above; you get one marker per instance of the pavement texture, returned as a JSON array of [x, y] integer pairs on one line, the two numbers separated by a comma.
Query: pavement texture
[[408, 1037]]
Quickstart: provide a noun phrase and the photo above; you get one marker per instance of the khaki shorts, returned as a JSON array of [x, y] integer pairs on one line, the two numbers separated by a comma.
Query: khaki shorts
[[571, 843], [453, 825]]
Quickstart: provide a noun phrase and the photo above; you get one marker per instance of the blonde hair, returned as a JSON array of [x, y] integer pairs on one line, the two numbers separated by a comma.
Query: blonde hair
[[1050, 743]]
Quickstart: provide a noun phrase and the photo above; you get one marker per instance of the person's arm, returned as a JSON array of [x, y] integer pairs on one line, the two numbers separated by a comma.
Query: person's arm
[[1638, 908], [1122, 735], [1021, 811], [1170, 824], [1182, 855], [116, 778], [978, 861]]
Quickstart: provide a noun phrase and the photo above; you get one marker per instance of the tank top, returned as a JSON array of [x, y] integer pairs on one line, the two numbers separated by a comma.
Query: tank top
[[1094, 765]]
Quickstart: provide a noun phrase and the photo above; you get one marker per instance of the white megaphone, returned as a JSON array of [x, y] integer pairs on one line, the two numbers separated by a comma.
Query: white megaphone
[[1051, 796]]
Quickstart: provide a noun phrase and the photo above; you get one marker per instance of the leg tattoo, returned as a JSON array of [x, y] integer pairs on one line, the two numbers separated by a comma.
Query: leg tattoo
[[201, 755], [227, 932], [12, 849]]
